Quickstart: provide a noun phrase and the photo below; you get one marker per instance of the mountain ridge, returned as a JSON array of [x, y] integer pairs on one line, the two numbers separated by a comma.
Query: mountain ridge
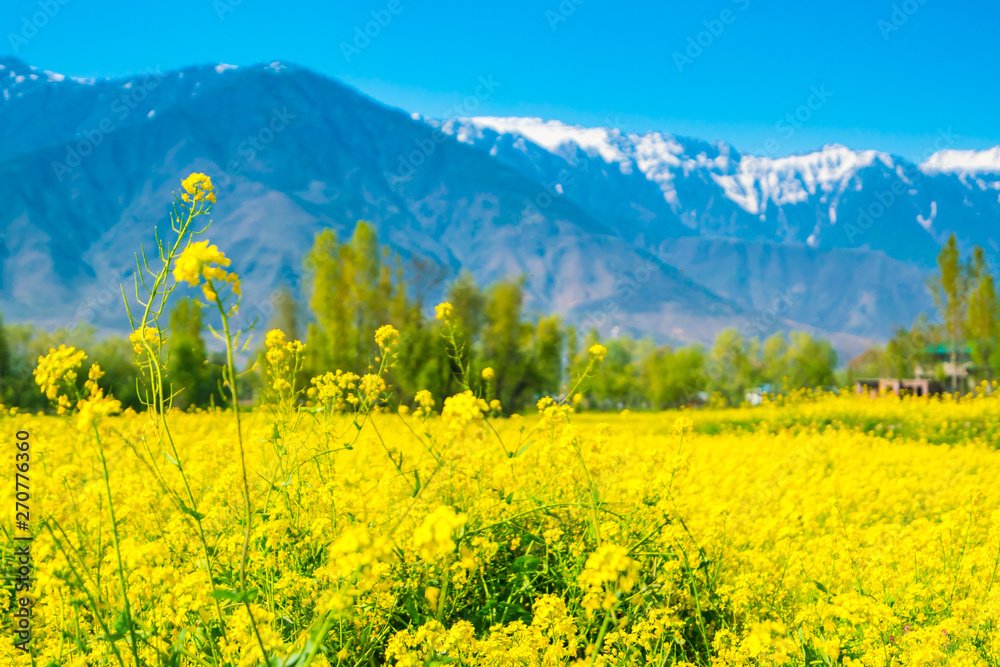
[[576, 210]]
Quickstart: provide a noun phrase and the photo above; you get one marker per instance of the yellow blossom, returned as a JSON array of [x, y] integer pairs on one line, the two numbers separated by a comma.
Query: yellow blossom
[[149, 334], [444, 311], [598, 352], [201, 260], [198, 187], [433, 538], [386, 336]]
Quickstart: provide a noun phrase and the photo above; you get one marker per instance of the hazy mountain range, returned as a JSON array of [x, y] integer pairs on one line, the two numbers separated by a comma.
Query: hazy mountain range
[[632, 233]]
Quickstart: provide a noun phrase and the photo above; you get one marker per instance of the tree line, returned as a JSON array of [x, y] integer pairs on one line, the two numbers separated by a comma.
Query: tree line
[[965, 333], [355, 285]]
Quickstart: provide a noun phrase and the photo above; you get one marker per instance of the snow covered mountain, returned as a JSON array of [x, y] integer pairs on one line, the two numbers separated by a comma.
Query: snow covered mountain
[[649, 233], [833, 198]]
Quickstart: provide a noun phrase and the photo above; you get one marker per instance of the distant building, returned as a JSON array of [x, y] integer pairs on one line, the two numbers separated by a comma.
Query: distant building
[[874, 387], [940, 355]]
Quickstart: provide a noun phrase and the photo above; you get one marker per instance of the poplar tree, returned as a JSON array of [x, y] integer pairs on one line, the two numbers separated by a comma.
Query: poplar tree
[[949, 291], [983, 312], [191, 378]]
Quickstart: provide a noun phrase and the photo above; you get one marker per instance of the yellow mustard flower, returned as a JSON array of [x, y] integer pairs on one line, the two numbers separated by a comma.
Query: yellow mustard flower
[[198, 187], [149, 334], [433, 538], [201, 260], [597, 351], [444, 311]]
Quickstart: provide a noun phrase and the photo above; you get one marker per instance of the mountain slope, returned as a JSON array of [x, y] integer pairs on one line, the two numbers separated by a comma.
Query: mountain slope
[[291, 152], [638, 233]]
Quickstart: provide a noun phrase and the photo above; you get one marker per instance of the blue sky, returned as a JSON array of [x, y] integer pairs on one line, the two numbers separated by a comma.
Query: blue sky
[[770, 76]]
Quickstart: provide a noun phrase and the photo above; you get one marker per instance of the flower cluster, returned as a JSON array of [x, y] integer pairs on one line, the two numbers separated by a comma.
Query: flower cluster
[[608, 572], [386, 336], [598, 352], [284, 359], [370, 388], [96, 406], [425, 403], [150, 335], [201, 260], [198, 187], [55, 374], [434, 537], [462, 411], [444, 311], [336, 391]]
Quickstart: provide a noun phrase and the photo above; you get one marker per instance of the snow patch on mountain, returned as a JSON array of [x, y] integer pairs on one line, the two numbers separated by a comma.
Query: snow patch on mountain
[[748, 181], [554, 136], [963, 162], [794, 179]]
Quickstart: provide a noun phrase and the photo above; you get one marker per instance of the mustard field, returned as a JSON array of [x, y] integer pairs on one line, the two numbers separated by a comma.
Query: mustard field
[[777, 535], [341, 523]]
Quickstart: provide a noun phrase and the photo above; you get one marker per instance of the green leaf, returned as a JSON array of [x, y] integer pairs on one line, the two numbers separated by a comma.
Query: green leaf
[[527, 563], [822, 587], [238, 597], [198, 516]]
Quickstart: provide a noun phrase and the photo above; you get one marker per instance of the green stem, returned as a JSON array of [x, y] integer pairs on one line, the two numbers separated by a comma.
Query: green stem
[[118, 553], [233, 390]]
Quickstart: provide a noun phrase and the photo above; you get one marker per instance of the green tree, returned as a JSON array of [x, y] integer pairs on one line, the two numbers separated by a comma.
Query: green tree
[[114, 354], [671, 377], [6, 391], [983, 312], [616, 384], [949, 289], [353, 293], [774, 359], [192, 380], [572, 357], [732, 365], [470, 311], [547, 361], [810, 361], [505, 341], [286, 313]]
